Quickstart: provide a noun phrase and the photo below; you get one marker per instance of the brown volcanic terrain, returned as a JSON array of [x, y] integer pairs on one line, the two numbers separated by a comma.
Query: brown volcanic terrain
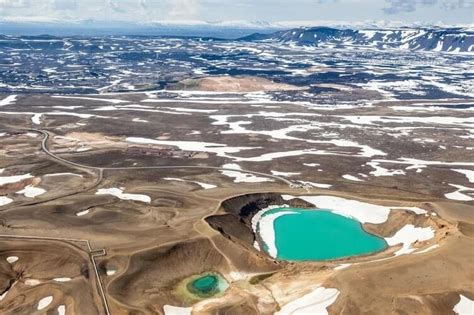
[[131, 195], [234, 84]]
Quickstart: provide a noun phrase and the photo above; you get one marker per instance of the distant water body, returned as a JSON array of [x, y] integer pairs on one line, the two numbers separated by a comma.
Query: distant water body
[[302, 235]]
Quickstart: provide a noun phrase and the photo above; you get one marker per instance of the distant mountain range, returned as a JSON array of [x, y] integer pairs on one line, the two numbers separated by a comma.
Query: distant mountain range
[[427, 39], [370, 34]]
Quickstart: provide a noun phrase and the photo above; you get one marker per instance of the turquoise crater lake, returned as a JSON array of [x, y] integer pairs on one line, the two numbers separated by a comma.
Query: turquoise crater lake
[[207, 285], [303, 234]]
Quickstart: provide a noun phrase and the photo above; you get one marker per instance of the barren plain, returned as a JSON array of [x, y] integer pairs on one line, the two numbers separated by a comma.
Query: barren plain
[[112, 201], [109, 201]]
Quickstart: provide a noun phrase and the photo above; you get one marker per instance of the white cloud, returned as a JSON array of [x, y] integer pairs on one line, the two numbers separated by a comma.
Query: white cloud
[[65, 4], [448, 11], [400, 6], [11, 4], [183, 9]]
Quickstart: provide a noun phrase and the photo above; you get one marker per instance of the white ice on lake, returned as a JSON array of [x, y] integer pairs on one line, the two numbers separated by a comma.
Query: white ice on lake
[[266, 230]]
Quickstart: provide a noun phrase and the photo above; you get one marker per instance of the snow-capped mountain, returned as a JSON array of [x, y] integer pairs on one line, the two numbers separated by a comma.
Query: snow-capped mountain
[[435, 39]]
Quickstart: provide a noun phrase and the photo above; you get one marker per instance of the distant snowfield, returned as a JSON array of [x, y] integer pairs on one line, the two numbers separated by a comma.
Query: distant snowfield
[[283, 134], [118, 192], [381, 171], [36, 119], [63, 174], [31, 191], [468, 173], [81, 213], [433, 120], [203, 185], [55, 113], [12, 179], [316, 185], [352, 178], [220, 149], [410, 161], [176, 310], [108, 100], [5, 201], [63, 279], [459, 194], [315, 302], [12, 259], [9, 100], [242, 177], [288, 174], [44, 302]]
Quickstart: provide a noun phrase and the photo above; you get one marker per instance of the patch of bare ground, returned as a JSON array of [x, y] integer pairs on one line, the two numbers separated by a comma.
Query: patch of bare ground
[[31, 270], [235, 84]]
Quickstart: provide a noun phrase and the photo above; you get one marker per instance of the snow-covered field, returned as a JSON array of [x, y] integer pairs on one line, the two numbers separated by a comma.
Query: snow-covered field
[[118, 192]]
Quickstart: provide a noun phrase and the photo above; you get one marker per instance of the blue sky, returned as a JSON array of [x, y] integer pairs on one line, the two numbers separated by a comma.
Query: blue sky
[[431, 11]]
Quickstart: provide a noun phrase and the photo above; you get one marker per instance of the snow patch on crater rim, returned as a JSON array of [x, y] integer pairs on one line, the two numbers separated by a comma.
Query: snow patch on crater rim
[[362, 211], [118, 192]]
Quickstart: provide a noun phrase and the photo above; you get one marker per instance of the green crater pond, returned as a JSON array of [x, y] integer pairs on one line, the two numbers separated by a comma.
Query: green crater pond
[[206, 285], [300, 235]]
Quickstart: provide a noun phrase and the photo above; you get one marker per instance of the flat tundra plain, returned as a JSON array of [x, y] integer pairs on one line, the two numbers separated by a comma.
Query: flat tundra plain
[[105, 200]]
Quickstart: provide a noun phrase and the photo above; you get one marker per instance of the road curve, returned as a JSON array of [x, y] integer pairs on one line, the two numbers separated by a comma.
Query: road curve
[[100, 170]]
